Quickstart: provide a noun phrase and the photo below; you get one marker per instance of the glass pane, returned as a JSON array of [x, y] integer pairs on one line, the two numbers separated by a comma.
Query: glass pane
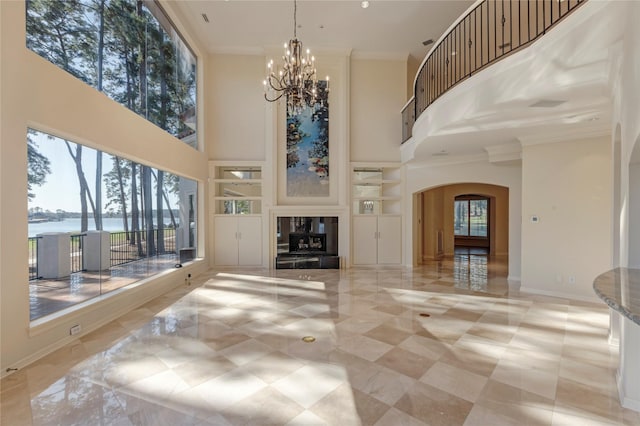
[[461, 218], [239, 207], [478, 212], [126, 49], [367, 174], [239, 189], [239, 173], [369, 191], [367, 206], [106, 227]]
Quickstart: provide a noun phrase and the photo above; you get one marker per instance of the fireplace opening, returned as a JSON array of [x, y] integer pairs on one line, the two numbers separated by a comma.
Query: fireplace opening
[[307, 242]]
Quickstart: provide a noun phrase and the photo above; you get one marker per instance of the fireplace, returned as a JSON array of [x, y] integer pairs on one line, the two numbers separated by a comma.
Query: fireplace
[[307, 242]]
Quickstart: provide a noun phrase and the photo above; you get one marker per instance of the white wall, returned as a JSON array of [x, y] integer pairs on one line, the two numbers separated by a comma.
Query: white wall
[[421, 177], [626, 104], [37, 94], [634, 211], [236, 107], [567, 185], [378, 93]]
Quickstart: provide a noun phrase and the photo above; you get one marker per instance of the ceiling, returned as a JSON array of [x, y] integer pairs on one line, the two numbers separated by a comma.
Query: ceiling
[[568, 70], [385, 28]]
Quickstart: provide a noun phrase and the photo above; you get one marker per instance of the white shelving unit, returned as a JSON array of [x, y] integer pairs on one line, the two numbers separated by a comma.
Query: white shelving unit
[[236, 202], [376, 194], [237, 189], [376, 189]]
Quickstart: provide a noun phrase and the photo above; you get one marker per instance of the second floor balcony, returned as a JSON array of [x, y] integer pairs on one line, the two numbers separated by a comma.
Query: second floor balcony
[[511, 70]]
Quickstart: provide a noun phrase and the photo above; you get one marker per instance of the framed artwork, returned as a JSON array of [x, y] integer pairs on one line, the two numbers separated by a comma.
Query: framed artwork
[[308, 149]]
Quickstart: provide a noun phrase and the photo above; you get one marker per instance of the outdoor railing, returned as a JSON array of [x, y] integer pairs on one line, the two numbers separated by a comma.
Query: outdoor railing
[[33, 258], [124, 248], [489, 32], [77, 263]]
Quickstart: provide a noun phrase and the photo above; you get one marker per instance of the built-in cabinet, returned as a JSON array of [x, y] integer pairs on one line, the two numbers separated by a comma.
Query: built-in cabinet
[[236, 203], [377, 240], [376, 215], [238, 240]]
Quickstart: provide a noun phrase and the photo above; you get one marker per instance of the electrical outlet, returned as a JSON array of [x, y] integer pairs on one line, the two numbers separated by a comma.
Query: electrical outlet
[[76, 329]]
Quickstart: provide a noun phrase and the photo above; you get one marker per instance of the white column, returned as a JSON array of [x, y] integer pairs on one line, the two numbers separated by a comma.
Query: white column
[[614, 328], [96, 250], [54, 255], [629, 368]]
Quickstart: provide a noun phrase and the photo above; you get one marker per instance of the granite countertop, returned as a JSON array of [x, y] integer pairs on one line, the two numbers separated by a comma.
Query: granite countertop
[[620, 289]]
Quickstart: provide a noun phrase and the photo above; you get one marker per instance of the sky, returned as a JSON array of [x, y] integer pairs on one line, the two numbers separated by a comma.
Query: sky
[[61, 189]]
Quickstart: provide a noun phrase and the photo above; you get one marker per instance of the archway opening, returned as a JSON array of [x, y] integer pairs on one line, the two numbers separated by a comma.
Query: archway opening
[[461, 215]]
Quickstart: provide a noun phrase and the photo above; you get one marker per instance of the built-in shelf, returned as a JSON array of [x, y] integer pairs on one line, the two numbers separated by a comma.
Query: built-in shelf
[[376, 189], [236, 188]]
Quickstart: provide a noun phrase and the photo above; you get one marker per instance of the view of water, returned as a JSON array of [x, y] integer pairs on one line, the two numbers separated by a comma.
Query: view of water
[[112, 224]]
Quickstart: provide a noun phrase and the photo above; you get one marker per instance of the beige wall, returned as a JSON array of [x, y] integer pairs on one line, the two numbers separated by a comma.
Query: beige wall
[[421, 178], [567, 185], [37, 94], [377, 96], [433, 220], [439, 212], [413, 65], [236, 107]]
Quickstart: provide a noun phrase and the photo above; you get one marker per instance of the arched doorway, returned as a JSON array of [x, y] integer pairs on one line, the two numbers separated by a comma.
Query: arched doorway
[[440, 213]]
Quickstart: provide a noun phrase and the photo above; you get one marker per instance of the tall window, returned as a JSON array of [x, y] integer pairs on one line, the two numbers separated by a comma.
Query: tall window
[[127, 49], [148, 222], [471, 216]]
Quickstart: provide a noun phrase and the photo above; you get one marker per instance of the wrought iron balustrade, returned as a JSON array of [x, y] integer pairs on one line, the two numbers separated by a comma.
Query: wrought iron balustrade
[[490, 31]]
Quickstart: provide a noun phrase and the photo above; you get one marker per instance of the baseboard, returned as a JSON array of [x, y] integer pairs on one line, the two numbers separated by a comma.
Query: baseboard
[[626, 402]]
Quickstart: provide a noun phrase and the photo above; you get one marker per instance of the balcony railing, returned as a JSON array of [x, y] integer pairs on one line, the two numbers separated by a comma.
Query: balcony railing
[[124, 248], [489, 32]]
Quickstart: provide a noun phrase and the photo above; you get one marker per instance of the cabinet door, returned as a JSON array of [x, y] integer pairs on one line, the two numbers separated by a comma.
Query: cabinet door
[[364, 240], [389, 240], [225, 240], [249, 241]]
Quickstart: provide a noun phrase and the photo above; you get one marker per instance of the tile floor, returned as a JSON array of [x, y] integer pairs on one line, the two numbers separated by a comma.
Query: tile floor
[[444, 344]]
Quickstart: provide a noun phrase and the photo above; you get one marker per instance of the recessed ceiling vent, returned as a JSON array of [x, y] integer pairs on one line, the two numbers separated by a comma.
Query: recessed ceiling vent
[[546, 103], [205, 17], [427, 42]]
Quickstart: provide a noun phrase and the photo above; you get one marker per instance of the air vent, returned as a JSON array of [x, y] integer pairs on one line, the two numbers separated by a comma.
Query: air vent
[[440, 154], [427, 42], [546, 103], [205, 17]]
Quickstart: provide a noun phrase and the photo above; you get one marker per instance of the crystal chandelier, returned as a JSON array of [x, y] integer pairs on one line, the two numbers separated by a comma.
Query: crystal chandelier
[[297, 79]]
